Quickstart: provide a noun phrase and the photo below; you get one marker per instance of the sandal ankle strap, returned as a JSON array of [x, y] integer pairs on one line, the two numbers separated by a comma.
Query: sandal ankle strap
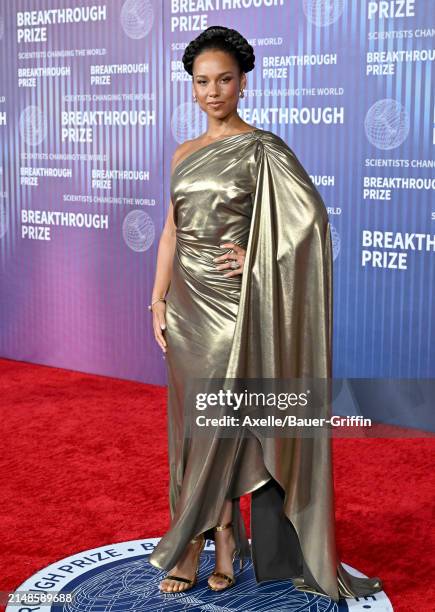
[[197, 539], [222, 527]]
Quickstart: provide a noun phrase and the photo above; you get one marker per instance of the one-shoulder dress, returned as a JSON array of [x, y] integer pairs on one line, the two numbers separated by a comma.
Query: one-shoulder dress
[[272, 321]]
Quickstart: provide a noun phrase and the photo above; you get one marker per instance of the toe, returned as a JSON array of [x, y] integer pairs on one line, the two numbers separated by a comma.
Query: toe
[[216, 582], [166, 586]]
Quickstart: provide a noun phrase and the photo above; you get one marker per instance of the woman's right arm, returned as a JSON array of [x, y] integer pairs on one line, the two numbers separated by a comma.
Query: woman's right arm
[[165, 257]]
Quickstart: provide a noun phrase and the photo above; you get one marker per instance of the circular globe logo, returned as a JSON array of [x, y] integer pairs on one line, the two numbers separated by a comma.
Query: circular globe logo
[[119, 578], [387, 124], [187, 122], [138, 230], [137, 17], [323, 13], [33, 127]]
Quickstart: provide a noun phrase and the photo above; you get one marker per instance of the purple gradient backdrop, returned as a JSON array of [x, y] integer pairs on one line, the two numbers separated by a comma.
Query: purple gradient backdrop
[[79, 300]]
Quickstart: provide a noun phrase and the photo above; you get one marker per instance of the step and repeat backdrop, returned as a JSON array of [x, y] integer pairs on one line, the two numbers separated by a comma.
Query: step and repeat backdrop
[[93, 102]]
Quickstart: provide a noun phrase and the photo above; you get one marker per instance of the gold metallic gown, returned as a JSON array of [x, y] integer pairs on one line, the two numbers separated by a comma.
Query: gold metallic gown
[[273, 321]]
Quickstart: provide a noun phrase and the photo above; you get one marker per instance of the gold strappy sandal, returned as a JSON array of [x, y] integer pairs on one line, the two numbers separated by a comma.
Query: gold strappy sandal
[[230, 579], [188, 581]]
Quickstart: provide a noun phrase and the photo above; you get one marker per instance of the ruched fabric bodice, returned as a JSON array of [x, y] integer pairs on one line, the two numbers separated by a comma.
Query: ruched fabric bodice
[[211, 211]]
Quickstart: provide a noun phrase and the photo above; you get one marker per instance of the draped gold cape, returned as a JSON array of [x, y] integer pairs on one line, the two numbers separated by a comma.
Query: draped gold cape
[[273, 321]]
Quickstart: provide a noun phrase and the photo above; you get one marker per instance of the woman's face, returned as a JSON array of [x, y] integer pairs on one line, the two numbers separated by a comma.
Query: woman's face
[[216, 78]]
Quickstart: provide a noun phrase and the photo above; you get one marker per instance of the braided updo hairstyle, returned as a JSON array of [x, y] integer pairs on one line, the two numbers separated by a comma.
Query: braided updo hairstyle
[[223, 39]]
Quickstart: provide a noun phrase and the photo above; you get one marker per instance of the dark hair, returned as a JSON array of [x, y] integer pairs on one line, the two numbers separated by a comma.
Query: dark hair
[[223, 39]]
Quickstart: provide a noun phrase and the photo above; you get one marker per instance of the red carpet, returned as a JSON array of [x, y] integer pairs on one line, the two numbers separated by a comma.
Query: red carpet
[[84, 463]]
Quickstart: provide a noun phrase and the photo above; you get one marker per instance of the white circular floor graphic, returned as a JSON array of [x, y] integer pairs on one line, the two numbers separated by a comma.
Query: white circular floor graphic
[[119, 578]]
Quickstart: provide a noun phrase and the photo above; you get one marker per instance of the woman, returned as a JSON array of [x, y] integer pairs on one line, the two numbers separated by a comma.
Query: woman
[[246, 256]]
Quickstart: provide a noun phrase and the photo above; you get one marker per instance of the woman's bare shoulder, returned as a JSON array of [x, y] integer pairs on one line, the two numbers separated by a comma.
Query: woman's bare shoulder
[[184, 150]]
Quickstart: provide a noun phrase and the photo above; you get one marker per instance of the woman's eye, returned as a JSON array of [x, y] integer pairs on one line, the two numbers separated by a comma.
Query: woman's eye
[[224, 79]]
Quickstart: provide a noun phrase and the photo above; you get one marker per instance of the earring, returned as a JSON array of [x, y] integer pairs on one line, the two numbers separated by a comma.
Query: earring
[[242, 95], [194, 99]]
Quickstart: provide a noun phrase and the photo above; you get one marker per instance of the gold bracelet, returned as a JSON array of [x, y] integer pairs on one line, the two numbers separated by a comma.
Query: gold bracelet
[[150, 306]]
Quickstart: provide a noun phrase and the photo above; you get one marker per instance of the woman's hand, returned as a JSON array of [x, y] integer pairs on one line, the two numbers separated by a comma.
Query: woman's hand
[[236, 259], [159, 323]]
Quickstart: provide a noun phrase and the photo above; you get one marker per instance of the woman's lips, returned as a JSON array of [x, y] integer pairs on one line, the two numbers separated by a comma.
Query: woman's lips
[[215, 103]]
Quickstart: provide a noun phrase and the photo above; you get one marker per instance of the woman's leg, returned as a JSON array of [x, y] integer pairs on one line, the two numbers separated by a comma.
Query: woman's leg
[[224, 547], [185, 568]]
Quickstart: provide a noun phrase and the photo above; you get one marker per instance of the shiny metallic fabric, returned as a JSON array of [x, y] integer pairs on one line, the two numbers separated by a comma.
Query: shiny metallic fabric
[[273, 321]]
